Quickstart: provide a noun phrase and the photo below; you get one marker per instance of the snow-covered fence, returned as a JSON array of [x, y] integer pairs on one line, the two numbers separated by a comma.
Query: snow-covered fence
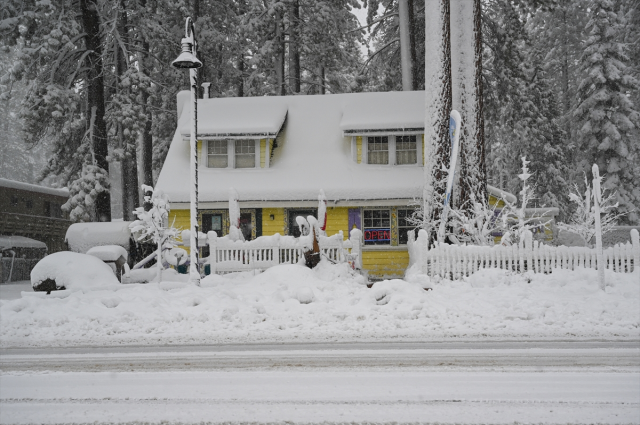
[[457, 261], [226, 255]]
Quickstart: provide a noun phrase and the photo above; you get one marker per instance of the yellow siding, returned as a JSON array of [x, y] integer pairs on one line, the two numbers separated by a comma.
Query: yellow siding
[[263, 148], [269, 226], [385, 263], [359, 149], [423, 149], [338, 219], [181, 221]]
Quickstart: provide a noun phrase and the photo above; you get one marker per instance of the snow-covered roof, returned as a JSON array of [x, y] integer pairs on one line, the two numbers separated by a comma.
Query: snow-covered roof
[[387, 113], [20, 242], [83, 236], [312, 153], [12, 184], [235, 117]]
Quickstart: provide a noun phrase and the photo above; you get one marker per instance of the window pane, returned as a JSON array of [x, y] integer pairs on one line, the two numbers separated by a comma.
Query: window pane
[[377, 229], [406, 150], [378, 150], [245, 154], [217, 154], [404, 226]]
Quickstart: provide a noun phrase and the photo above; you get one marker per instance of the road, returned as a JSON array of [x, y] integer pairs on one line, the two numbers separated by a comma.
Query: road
[[444, 382]]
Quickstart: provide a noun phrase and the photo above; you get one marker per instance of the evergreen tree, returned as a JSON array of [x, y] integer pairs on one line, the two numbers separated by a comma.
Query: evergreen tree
[[605, 114]]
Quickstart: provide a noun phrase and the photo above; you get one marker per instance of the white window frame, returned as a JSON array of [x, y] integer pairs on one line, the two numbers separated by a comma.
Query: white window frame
[[392, 150], [231, 155]]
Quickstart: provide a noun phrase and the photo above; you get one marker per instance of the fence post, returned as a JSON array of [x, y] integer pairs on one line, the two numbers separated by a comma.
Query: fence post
[[355, 236], [423, 249], [212, 240], [411, 247], [635, 241], [528, 246]]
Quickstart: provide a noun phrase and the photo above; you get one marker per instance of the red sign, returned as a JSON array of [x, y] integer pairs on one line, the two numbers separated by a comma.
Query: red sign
[[375, 235]]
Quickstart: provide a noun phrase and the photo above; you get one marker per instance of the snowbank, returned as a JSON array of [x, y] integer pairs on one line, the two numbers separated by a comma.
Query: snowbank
[[330, 303], [73, 271]]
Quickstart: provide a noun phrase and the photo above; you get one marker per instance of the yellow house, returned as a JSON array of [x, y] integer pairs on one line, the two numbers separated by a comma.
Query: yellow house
[[364, 150]]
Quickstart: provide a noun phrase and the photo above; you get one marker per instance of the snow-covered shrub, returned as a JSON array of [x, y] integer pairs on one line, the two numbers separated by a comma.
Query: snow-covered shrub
[[152, 225], [71, 270], [514, 219], [83, 193], [582, 221]]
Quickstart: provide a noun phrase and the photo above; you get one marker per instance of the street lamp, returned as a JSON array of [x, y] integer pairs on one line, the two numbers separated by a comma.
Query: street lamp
[[188, 60]]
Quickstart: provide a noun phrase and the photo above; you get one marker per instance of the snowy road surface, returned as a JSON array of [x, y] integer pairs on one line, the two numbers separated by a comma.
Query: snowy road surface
[[583, 382]]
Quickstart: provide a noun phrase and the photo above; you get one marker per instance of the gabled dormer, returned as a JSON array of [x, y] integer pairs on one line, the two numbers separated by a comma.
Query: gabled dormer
[[385, 132], [234, 134]]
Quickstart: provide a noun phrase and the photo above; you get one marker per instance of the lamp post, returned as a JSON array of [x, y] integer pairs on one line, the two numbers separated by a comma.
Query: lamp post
[[188, 60]]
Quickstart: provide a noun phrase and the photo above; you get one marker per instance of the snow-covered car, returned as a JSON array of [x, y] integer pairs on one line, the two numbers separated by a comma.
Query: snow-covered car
[[73, 271]]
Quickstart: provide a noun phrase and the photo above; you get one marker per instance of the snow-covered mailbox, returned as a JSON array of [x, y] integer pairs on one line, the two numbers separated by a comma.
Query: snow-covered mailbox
[[114, 255], [365, 150]]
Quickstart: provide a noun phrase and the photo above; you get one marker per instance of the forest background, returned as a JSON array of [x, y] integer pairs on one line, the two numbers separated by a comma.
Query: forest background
[[86, 85]]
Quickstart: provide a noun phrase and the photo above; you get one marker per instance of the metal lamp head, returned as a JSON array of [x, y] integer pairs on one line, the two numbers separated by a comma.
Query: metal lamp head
[[186, 59]]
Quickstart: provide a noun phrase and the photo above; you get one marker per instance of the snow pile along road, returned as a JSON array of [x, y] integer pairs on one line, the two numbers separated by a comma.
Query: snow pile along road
[[330, 303]]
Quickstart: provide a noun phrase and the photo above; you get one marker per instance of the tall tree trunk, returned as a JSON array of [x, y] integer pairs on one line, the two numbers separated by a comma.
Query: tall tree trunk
[[412, 43], [146, 138], [437, 108], [294, 46], [322, 80], [95, 99], [279, 60], [404, 7], [466, 75], [129, 163]]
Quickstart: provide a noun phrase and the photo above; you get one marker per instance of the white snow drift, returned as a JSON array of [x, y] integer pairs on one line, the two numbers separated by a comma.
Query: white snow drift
[[330, 303]]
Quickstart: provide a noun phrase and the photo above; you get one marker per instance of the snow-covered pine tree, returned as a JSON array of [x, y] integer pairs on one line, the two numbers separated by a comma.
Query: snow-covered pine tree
[[437, 109], [605, 114]]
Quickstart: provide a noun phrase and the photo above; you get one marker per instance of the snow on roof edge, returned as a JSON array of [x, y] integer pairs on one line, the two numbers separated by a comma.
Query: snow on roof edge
[[12, 184]]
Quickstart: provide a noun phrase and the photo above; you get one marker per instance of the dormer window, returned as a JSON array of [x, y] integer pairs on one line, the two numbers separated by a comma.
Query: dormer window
[[406, 150], [233, 153], [245, 151], [378, 150], [387, 150], [217, 156]]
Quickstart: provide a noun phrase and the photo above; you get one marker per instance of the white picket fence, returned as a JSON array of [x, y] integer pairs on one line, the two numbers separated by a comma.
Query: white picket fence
[[233, 256], [457, 261]]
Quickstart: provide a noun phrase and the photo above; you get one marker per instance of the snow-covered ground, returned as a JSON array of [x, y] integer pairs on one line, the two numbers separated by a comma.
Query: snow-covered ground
[[293, 303]]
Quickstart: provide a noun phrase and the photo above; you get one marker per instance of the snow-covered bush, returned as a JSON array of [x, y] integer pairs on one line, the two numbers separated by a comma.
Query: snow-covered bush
[[582, 221], [514, 219], [71, 270], [152, 225], [83, 193]]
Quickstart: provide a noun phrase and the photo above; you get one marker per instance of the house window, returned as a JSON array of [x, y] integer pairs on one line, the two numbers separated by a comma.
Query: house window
[[404, 225], [378, 150], [377, 227], [217, 156], [406, 150], [292, 225], [245, 154]]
